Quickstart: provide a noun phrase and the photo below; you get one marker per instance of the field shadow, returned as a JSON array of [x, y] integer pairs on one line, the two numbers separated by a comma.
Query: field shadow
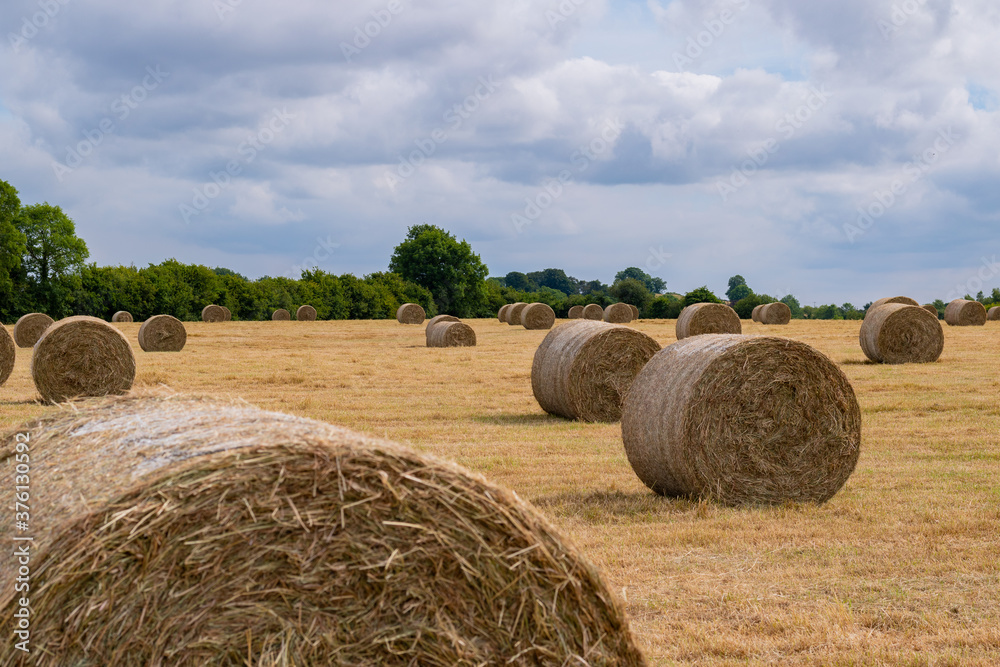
[[518, 420], [857, 362], [600, 507], [30, 401]]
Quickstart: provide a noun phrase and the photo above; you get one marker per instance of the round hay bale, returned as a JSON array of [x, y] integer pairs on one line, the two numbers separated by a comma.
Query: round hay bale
[[502, 313], [992, 314], [930, 308], [183, 531], [583, 369], [635, 311], [891, 299], [451, 334], [775, 313], [576, 313], [122, 316], [162, 333], [441, 318], [410, 313], [742, 419], [514, 314], [708, 318], [213, 313], [538, 316], [592, 311], [8, 354], [964, 313], [229, 314], [82, 356], [617, 313], [281, 315], [899, 333], [30, 327], [307, 313], [755, 316]]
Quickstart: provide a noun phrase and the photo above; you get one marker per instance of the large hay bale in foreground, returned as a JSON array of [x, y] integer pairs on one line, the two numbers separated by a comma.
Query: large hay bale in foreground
[[742, 419], [755, 315], [575, 313], [162, 333], [618, 313], [538, 316], [8, 354], [774, 313], [514, 314], [993, 314], [183, 531], [592, 311], [410, 313], [451, 334], [82, 356], [964, 313], [891, 299], [635, 311], [29, 328], [930, 308], [583, 369], [898, 333], [213, 313], [707, 318], [122, 316], [306, 313], [502, 313], [281, 315]]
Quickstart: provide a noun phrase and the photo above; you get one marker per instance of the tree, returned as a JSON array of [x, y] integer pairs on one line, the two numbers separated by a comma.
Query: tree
[[554, 278], [794, 305], [12, 241], [53, 252], [435, 260], [700, 295], [734, 283], [654, 285], [744, 307], [738, 292], [591, 287], [632, 291], [518, 280]]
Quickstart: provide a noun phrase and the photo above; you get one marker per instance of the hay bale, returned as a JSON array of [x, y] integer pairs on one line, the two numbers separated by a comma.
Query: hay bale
[[162, 333], [992, 314], [538, 316], [708, 318], [122, 316], [583, 368], [930, 308], [8, 354], [29, 328], [213, 313], [755, 316], [964, 313], [410, 313], [183, 531], [451, 334], [575, 313], [617, 313], [593, 312], [742, 419], [775, 313], [635, 311], [281, 315], [514, 314], [502, 313], [307, 313], [898, 333], [229, 314], [82, 356], [441, 318], [891, 299]]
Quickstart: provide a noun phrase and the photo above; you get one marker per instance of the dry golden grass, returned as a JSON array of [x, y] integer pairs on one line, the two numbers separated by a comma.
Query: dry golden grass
[[902, 567]]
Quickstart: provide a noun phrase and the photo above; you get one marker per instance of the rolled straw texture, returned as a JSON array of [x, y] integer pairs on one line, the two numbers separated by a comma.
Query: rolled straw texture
[[162, 333], [410, 313], [213, 313], [451, 334], [575, 313], [514, 314], [964, 313], [122, 316], [707, 318], [618, 313], [538, 316], [8, 354], [307, 313], [775, 313], [593, 312], [29, 328], [898, 333]]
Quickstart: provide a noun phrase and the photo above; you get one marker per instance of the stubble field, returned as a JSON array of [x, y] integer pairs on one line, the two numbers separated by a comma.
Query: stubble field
[[902, 567]]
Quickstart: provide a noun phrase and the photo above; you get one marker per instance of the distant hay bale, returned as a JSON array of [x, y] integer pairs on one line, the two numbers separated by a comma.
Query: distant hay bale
[[898, 333], [307, 313], [635, 311], [993, 313], [30, 327], [441, 318], [538, 316], [583, 369], [502, 313], [931, 308], [213, 313], [617, 313], [963, 313], [742, 419], [281, 315], [592, 311], [410, 313], [122, 316], [82, 356], [576, 313], [891, 299], [8, 354], [755, 316], [775, 313], [514, 314], [707, 318], [184, 531], [162, 333], [229, 314], [451, 334]]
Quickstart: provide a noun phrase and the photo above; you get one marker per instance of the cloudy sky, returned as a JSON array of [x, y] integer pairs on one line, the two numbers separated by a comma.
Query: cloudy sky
[[840, 150]]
